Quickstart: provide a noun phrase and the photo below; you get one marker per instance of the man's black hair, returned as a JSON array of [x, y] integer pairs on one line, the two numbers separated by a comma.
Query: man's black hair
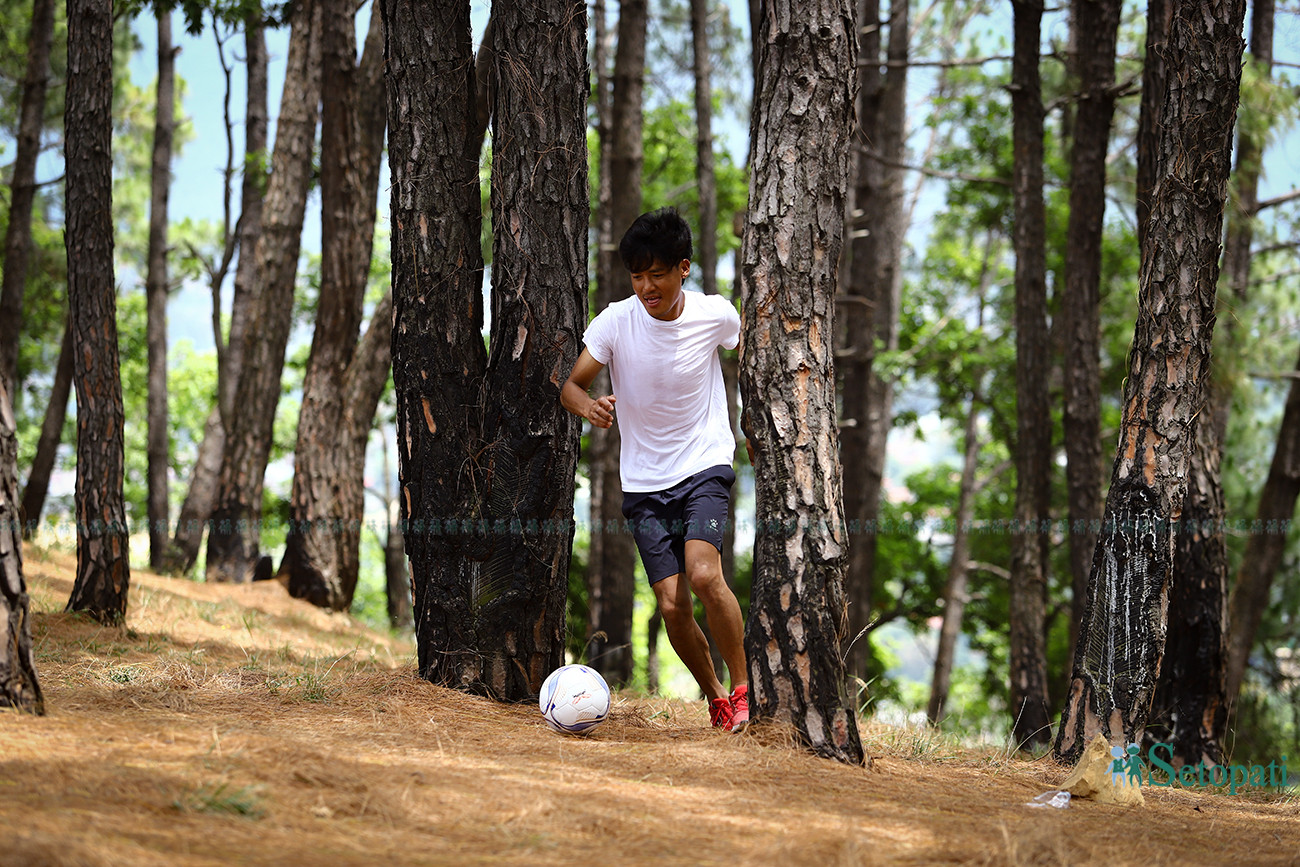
[[660, 236]]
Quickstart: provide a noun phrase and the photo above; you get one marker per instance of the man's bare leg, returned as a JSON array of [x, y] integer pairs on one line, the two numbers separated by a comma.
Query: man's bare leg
[[704, 574], [673, 595]]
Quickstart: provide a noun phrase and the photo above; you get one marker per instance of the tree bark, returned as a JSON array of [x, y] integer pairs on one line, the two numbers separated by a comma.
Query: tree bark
[[235, 528], [706, 182], [103, 571], [1155, 77], [19, 686], [438, 356], [47, 446], [322, 548], [1081, 304], [611, 558], [540, 215], [397, 578], [156, 290], [1123, 633], [1031, 722], [800, 138], [205, 475], [22, 189], [871, 321], [1273, 516]]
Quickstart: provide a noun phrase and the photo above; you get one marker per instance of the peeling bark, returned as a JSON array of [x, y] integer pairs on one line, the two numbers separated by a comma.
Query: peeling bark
[[1123, 634], [799, 151], [19, 686]]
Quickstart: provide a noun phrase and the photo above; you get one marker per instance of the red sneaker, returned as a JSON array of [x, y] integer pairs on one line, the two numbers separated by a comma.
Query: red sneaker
[[721, 713], [739, 708]]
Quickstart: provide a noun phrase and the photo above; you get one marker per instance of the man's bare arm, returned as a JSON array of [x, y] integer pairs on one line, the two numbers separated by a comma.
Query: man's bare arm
[[574, 397]]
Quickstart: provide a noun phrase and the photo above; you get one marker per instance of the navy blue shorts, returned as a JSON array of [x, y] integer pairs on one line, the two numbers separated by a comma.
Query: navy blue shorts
[[662, 521]]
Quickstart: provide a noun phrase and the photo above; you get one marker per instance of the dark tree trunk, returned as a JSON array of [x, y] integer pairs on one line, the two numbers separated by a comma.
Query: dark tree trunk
[[47, 447], [611, 558], [235, 529], [156, 289], [540, 215], [1188, 710], [954, 593], [800, 141], [1191, 703], [103, 570], [1031, 722], [1123, 633], [1273, 516], [19, 687], [707, 185], [397, 577], [871, 313], [322, 548], [438, 354], [1155, 74], [1081, 305], [22, 189], [205, 475]]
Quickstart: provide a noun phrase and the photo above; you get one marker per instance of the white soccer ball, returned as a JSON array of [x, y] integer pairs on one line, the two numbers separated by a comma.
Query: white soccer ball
[[574, 699]]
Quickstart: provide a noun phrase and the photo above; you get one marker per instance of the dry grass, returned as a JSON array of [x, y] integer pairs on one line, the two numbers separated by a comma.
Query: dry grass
[[236, 725]]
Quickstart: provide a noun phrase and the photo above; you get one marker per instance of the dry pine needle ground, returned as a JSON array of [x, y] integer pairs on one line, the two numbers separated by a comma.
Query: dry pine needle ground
[[234, 725]]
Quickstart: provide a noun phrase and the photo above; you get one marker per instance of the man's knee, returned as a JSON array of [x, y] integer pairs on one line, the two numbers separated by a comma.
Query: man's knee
[[705, 575]]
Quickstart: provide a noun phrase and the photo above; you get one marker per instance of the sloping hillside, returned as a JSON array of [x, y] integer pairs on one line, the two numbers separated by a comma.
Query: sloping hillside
[[234, 725]]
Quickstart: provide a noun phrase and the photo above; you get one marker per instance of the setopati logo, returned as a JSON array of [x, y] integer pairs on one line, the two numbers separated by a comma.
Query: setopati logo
[[1128, 767]]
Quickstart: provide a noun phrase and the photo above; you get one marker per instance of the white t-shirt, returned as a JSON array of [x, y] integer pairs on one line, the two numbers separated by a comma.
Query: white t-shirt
[[672, 406]]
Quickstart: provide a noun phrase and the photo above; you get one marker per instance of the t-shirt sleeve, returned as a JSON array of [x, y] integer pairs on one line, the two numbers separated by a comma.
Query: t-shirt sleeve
[[599, 337], [728, 324]]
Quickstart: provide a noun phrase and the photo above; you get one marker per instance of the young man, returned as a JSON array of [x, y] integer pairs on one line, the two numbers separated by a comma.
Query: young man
[[677, 445]]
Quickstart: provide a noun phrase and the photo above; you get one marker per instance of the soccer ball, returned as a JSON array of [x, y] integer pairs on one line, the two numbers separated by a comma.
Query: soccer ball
[[574, 699]]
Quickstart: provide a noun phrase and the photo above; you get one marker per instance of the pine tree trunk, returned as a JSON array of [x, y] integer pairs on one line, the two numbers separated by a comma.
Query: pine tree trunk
[[1155, 75], [611, 558], [103, 571], [801, 135], [438, 354], [235, 529], [397, 578], [1031, 723], [205, 475], [954, 594], [540, 209], [707, 185], [19, 687], [156, 290], [1273, 517], [47, 446], [322, 548], [871, 313], [1123, 633], [22, 189], [1081, 305]]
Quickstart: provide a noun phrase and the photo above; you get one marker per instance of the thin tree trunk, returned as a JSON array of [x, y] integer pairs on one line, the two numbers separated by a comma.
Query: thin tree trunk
[[235, 530], [205, 475], [1081, 304], [1273, 516], [156, 290], [1031, 723], [801, 135], [19, 686], [1123, 633], [706, 182], [22, 189], [611, 557], [954, 593], [1155, 75], [103, 570], [871, 321], [47, 446], [322, 548]]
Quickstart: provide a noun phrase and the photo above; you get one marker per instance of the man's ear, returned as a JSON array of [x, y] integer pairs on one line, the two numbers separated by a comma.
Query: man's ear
[[686, 268]]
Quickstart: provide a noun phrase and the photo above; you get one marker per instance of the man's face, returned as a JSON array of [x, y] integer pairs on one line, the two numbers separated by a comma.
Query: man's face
[[659, 287]]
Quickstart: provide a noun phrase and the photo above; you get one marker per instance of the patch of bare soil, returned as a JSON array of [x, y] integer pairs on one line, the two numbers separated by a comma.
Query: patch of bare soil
[[234, 725]]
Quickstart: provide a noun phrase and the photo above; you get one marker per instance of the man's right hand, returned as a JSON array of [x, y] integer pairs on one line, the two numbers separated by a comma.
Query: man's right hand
[[601, 411]]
